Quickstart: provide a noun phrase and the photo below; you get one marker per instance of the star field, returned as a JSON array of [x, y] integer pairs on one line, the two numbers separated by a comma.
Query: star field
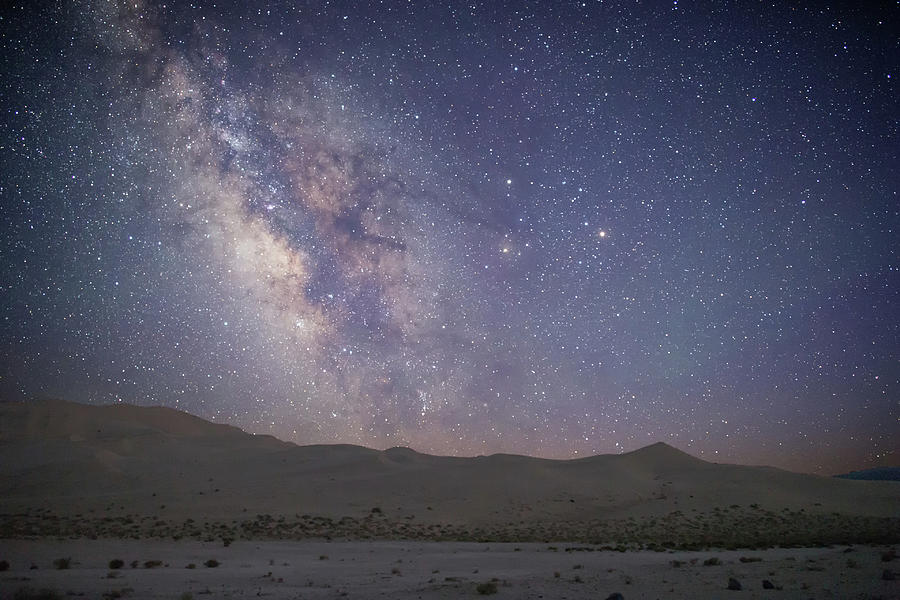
[[555, 229]]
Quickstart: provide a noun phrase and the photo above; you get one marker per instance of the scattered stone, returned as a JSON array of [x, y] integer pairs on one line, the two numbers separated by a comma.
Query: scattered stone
[[888, 575], [734, 584], [768, 585]]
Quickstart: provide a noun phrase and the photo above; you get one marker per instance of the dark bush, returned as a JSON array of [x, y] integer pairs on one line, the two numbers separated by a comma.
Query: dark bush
[[212, 563], [62, 563], [116, 563], [486, 588]]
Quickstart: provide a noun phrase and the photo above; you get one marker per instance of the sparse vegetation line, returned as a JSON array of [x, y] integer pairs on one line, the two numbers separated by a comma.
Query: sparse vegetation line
[[730, 528]]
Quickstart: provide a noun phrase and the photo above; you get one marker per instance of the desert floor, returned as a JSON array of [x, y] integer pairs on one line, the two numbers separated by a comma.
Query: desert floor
[[319, 569]]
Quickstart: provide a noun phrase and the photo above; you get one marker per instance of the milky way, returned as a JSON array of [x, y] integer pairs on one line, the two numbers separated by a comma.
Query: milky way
[[555, 229]]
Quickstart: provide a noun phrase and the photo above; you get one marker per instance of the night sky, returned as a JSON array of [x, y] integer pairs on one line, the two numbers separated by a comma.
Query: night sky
[[555, 229]]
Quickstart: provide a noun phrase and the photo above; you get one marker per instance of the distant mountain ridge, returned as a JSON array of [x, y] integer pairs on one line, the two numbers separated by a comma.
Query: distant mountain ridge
[[875, 474]]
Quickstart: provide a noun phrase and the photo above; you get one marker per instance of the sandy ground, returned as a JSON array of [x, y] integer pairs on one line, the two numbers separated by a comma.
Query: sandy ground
[[317, 569]]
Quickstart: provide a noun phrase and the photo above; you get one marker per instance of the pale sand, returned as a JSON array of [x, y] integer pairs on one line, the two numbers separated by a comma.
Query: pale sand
[[437, 570]]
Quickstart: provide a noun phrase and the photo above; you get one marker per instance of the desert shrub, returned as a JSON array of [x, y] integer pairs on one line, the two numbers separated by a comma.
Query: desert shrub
[[152, 564], [712, 562], [62, 563], [187, 596], [191, 566], [134, 564], [486, 588], [116, 563], [376, 510], [212, 563], [31, 594], [4, 565]]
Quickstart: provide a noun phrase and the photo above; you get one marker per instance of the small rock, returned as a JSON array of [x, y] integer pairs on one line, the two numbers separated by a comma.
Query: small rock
[[616, 596], [768, 585], [734, 584], [888, 575]]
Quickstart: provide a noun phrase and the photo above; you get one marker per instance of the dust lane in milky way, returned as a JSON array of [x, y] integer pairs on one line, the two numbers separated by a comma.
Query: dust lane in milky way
[[470, 228]]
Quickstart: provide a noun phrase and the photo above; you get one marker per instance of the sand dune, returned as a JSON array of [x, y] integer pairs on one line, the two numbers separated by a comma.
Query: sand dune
[[71, 459]]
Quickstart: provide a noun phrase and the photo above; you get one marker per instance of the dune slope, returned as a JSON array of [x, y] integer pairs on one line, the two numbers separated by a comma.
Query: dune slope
[[72, 459]]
